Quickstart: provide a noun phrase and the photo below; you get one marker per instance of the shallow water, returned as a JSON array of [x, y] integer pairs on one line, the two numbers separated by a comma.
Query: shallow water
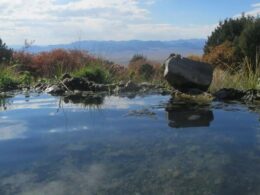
[[121, 145]]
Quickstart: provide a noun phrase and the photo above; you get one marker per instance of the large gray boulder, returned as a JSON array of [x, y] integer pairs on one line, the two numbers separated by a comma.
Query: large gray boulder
[[185, 74]]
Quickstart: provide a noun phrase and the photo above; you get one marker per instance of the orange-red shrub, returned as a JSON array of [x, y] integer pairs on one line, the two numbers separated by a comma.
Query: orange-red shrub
[[49, 64]]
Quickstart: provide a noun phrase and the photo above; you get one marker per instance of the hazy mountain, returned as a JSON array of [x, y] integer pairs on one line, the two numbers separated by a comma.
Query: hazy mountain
[[122, 51]]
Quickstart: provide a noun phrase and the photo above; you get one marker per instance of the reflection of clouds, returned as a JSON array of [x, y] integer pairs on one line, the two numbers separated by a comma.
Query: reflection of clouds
[[121, 103], [34, 103], [110, 102], [69, 180], [62, 130], [12, 129], [52, 113], [38, 100]]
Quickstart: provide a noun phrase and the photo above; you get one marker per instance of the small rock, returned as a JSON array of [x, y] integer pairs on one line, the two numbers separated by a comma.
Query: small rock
[[55, 90], [131, 86], [251, 95], [76, 83], [229, 94]]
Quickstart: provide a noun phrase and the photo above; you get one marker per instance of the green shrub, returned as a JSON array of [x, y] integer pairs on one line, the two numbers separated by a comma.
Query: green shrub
[[26, 78], [146, 71], [8, 83], [8, 78], [94, 73]]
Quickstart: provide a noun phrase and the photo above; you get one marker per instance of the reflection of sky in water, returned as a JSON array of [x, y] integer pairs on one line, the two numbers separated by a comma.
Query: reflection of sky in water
[[49, 147]]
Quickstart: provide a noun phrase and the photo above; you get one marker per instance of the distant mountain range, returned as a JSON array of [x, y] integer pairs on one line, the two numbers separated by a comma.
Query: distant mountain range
[[121, 51]]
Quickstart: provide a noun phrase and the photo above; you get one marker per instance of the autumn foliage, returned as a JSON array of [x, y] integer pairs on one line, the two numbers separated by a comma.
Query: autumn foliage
[[48, 64], [222, 56], [143, 69]]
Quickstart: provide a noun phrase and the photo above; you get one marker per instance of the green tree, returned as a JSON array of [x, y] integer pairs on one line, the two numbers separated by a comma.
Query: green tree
[[5, 52], [250, 41], [234, 40], [229, 30]]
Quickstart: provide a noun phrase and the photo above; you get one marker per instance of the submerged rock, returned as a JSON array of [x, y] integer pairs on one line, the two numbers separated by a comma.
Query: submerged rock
[[185, 74]]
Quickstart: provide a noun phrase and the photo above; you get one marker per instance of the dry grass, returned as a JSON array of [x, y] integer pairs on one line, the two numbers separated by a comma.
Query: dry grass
[[245, 78]]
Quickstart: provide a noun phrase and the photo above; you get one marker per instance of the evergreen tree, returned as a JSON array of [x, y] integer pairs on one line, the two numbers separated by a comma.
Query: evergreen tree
[[5, 52]]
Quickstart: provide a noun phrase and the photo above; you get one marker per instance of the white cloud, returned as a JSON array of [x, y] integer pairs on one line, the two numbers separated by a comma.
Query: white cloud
[[255, 11], [51, 21]]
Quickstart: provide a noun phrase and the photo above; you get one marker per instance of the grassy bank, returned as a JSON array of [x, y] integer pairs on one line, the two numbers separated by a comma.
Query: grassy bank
[[247, 77]]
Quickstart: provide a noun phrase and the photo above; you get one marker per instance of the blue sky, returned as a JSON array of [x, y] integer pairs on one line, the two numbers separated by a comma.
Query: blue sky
[[198, 12], [64, 21]]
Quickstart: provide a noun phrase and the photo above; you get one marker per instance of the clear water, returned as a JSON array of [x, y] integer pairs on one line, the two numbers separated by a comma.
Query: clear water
[[120, 145]]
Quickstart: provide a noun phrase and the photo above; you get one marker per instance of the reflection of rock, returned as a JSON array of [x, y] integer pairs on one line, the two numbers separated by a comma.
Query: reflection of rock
[[140, 113], [185, 74], [131, 89], [183, 116], [84, 98]]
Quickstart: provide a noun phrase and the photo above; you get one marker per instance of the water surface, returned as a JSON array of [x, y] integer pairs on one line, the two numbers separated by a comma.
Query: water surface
[[120, 145]]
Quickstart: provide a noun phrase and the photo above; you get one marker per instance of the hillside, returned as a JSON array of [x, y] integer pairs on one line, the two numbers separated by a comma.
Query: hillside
[[121, 51]]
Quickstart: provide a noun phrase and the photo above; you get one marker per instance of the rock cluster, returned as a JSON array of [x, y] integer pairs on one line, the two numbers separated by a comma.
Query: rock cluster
[[77, 86]]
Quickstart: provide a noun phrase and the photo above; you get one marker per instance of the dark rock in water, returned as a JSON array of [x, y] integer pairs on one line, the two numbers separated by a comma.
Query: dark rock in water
[[82, 84], [41, 86], [146, 85], [55, 90], [100, 87], [121, 84], [185, 74], [66, 76], [130, 86], [251, 95], [165, 92], [76, 83], [229, 94]]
